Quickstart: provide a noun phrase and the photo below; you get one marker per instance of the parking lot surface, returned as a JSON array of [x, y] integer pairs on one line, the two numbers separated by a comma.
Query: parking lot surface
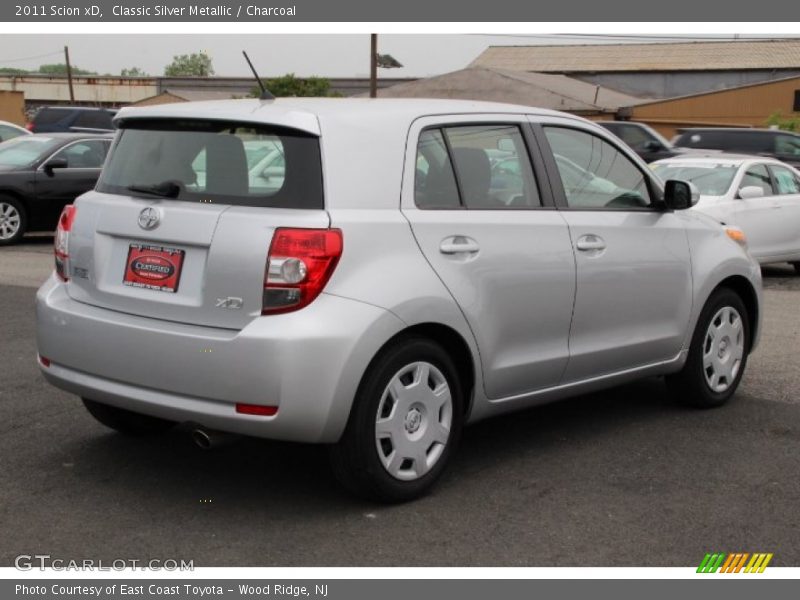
[[619, 478]]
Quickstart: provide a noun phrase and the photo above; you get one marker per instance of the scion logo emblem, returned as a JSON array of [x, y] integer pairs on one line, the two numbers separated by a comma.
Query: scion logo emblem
[[149, 218]]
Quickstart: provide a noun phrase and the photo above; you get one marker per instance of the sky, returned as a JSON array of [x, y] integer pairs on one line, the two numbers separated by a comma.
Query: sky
[[340, 55]]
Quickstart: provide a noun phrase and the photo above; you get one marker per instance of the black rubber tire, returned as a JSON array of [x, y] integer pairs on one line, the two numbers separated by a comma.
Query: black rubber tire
[[126, 421], [796, 266], [23, 220], [689, 385], [354, 459]]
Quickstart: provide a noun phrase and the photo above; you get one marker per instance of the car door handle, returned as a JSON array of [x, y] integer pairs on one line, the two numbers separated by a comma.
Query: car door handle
[[590, 242], [457, 244]]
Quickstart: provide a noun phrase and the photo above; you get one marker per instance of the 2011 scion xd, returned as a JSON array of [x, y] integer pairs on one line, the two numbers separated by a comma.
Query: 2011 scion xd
[[373, 275]]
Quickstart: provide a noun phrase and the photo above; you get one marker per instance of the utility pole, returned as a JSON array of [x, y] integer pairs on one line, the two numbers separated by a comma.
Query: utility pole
[[69, 75], [373, 65]]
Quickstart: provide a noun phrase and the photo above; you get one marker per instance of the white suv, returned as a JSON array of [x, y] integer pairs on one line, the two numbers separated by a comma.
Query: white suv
[[404, 268]]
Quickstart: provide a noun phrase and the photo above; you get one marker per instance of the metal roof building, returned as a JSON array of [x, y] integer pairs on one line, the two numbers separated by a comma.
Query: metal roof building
[[542, 90], [656, 70]]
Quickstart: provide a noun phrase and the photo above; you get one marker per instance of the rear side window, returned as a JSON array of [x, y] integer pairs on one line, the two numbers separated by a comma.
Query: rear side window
[[474, 166], [93, 119], [786, 180], [216, 162], [787, 145], [50, 116]]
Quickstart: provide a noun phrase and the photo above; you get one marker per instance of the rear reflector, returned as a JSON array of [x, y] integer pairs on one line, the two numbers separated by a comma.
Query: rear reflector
[[257, 409], [61, 245], [299, 264], [45, 361]]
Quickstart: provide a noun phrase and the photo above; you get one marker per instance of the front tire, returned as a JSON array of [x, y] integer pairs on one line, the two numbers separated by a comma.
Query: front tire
[[405, 423], [717, 355], [126, 421]]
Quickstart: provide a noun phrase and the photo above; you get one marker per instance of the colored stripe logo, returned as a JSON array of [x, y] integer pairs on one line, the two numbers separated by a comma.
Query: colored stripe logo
[[736, 562]]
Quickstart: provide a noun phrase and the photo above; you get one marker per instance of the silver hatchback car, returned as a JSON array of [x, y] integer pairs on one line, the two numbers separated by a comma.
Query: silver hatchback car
[[374, 274]]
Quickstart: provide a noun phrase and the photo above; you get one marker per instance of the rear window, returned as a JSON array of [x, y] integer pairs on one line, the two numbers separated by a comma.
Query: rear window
[[216, 162], [737, 140]]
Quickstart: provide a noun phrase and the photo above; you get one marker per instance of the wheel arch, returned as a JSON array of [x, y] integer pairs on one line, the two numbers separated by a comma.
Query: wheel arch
[[745, 290]]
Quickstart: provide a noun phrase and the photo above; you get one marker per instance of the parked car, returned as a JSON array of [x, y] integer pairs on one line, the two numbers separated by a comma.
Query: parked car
[[774, 143], [383, 296], [645, 141], [759, 195], [52, 119], [9, 131], [40, 174]]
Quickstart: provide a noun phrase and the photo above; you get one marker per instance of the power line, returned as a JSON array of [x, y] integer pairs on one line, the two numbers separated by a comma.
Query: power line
[[9, 60]]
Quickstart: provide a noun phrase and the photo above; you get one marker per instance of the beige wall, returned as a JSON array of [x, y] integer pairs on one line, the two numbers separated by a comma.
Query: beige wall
[[12, 107], [748, 106]]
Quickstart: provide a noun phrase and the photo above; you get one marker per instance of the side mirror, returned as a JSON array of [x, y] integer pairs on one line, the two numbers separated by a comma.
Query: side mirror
[[680, 195], [751, 191], [653, 146], [55, 163]]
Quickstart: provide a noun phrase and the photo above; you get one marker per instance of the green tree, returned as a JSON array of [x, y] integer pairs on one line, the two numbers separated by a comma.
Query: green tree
[[12, 71], [791, 123], [61, 69], [289, 85], [190, 65], [133, 72]]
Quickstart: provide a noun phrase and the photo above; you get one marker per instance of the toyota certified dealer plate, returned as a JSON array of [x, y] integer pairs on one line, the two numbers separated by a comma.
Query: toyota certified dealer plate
[[153, 267]]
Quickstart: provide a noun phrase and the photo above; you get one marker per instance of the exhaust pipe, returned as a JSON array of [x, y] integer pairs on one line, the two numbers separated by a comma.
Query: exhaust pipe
[[210, 438]]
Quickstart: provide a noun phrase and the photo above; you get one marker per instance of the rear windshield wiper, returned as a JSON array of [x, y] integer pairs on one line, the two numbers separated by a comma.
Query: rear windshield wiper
[[165, 189]]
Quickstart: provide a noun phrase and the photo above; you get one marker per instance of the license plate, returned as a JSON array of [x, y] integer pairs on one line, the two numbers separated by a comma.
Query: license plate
[[153, 267]]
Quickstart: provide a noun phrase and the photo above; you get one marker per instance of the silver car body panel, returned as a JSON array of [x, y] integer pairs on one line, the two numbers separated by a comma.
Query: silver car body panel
[[181, 357]]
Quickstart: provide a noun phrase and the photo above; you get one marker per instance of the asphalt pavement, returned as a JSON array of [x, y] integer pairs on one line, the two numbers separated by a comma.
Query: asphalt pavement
[[619, 478]]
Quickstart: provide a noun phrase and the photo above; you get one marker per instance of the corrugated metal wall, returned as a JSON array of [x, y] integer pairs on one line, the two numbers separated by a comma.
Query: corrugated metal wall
[[741, 107]]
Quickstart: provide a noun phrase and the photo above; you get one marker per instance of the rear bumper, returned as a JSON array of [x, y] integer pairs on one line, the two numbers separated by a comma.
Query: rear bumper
[[307, 363]]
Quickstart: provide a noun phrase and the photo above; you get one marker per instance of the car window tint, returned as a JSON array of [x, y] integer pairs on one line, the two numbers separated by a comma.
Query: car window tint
[[493, 167], [787, 145], [786, 180], [88, 154], [758, 176], [94, 119], [594, 173], [635, 137], [49, 116], [434, 181]]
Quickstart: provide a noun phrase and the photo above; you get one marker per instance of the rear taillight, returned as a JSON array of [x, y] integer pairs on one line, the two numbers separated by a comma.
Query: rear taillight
[[299, 264], [61, 246], [29, 126]]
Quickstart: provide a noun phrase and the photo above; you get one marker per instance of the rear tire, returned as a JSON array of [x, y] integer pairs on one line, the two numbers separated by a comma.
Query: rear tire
[[126, 421], [405, 423], [717, 355], [13, 220]]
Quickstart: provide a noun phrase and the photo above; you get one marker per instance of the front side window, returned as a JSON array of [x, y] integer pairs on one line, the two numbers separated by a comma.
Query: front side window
[[594, 173], [88, 154], [758, 176], [216, 162], [786, 180]]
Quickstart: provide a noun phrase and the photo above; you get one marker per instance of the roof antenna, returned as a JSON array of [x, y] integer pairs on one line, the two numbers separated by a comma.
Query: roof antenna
[[265, 93]]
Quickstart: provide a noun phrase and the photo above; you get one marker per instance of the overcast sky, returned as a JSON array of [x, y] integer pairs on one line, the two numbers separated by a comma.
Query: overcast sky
[[342, 55]]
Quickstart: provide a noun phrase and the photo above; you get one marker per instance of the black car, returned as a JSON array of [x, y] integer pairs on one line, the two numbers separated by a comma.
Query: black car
[[51, 119], [40, 174], [774, 143], [643, 140]]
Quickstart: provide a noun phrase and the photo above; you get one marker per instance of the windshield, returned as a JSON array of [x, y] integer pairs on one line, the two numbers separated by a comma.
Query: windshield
[[216, 162], [711, 179], [25, 151]]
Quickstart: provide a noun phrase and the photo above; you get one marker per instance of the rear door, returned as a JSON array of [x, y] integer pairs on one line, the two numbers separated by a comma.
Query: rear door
[[491, 233], [634, 281], [179, 229], [787, 226]]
